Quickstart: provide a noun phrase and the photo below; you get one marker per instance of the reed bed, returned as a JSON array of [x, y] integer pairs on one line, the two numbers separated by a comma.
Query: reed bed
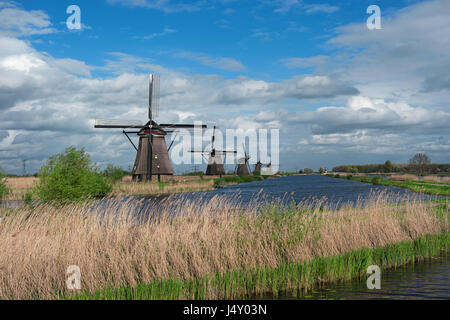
[[18, 187], [191, 243], [155, 188]]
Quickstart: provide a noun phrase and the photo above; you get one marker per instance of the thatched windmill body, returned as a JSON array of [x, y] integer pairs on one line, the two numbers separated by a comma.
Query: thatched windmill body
[[152, 154], [215, 161]]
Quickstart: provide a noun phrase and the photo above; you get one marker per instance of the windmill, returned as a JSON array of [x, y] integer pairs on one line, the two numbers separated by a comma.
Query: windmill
[[242, 168], [215, 163], [152, 154]]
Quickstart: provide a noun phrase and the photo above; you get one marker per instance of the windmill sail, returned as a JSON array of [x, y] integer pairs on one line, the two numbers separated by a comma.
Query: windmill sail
[[153, 96]]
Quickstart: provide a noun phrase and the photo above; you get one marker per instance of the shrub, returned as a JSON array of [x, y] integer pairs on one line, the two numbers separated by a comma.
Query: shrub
[[349, 177], [114, 174], [3, 189], [69, 177], [375, 180]]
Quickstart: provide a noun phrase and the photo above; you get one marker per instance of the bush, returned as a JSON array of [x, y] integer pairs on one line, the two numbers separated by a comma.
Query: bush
[[375, 180], [70, 177], [114, 174], [349, 177], [3, 189]]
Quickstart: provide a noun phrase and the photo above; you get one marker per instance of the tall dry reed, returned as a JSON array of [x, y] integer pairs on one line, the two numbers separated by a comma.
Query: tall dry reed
[[112, 248]]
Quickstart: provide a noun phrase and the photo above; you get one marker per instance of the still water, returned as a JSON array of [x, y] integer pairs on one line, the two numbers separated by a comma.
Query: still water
[[429, 279], [302, 188]]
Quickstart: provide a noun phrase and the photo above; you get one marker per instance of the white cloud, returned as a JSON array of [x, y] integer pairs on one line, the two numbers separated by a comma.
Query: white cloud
[[18, 22], [222, 63], [165, 32], [166, 6]]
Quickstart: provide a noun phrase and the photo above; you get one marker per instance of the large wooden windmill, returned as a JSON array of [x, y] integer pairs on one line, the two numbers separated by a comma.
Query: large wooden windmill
[[152, 154], [215, 161], [242, 168]]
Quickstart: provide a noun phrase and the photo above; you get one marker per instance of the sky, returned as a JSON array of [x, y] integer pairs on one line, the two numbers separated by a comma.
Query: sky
[[339, 92]]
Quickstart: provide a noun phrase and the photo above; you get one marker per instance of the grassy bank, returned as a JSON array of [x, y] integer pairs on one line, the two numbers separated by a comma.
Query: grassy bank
[[207, 240], [428, 187], [231, 180], [19, 188], [293, 278]]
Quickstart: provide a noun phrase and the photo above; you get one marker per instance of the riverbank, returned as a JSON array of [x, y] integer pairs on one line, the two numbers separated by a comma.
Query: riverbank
[[209, 251], [423, 186], [21, 188]]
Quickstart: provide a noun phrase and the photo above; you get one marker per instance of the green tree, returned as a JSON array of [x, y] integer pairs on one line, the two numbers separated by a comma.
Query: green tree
[[321, 170], [308, 170], [388, 166], [419, 161], [113, 173], [70, 177]]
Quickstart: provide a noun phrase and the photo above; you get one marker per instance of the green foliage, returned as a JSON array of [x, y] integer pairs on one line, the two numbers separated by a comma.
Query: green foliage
[[308, 170], [257, 172], [70, 177], [375, 180], [196, 173], [425, 168], [3, 189], [322, 170], [113, 173], [236, 179], [27, 198], [388, 166]]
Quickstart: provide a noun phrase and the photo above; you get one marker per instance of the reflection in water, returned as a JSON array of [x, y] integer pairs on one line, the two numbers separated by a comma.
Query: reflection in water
[[429, 279]]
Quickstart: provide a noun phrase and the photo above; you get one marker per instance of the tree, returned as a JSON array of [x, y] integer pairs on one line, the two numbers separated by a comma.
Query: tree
[[69, 177], [114, 173], [322, 170], [419, 161], [308, 170], [388, 166]]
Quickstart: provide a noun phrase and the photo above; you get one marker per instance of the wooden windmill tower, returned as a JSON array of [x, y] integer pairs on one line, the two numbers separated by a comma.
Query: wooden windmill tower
[[242, 168], [215, 161], [152, 154]]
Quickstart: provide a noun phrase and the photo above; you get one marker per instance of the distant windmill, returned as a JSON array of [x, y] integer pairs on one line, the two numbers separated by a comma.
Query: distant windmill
[[242, 167], [152, 154], [215, 163]]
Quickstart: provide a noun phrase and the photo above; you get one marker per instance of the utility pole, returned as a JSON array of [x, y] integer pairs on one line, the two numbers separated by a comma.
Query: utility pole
[[24, 167]]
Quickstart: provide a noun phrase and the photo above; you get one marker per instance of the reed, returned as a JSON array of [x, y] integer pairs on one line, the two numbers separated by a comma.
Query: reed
[[187, 242], [156, 188]]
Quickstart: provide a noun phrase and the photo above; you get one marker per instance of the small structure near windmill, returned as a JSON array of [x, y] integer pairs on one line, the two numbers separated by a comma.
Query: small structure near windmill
[[152, 153], [242, 168], [215, 161]]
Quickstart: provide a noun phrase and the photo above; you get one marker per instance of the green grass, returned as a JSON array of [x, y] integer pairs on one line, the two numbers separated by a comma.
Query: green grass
[[428, 187], [293, 278], [227, 180]]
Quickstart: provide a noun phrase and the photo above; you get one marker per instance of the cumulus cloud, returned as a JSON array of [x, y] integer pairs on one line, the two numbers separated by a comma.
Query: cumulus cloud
[[17, 22], [407, 56]]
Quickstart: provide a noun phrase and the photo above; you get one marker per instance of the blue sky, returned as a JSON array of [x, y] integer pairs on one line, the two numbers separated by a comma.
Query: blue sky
[[340, 93]]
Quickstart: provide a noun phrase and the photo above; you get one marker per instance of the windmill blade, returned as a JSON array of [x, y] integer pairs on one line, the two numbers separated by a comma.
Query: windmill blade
[[153, 96], [116, 123], [213, 138], [181, 126], [173, 140]]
